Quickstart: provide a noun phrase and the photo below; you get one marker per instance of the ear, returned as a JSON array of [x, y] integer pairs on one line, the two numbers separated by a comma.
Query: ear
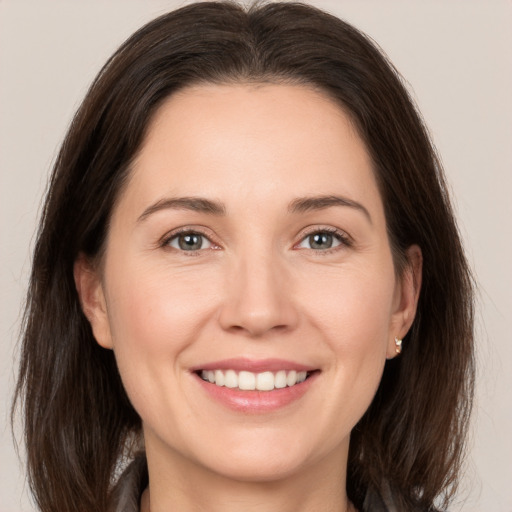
[[407, 293], [92, 299]]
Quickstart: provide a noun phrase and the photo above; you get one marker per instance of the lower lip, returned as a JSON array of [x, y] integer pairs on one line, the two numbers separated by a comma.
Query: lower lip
[[257, 402]]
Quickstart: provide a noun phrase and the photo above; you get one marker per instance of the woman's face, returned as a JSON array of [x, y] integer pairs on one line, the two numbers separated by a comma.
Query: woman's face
[[249, 248]]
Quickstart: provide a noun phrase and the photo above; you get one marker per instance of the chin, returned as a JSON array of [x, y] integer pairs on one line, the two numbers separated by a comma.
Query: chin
[[272, 469], [262, 460]]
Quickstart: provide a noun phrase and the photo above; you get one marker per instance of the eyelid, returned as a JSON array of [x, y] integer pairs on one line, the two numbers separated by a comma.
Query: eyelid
[[342, 236], [198, 230]]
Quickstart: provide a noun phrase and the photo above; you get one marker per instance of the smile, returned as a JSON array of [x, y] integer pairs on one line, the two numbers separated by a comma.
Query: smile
[[255, 386], [250, 381]]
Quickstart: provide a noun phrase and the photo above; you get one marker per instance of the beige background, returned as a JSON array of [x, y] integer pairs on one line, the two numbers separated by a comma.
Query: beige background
[[457, 57]]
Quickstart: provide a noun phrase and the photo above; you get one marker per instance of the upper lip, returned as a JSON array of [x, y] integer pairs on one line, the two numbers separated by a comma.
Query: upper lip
[[254, 365]]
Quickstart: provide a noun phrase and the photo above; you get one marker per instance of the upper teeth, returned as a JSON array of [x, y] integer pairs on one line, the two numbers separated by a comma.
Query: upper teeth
[[265, 381]]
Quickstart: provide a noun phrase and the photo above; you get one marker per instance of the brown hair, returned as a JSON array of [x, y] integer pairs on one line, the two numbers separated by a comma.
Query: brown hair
[[77, 416]]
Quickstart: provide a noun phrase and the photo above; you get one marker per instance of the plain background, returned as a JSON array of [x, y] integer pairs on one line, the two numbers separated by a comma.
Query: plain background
[[457, 57]]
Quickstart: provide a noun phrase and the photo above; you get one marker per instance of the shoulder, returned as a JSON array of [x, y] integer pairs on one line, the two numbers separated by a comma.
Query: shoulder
[[126, 494], [385, 502], [374, 502]]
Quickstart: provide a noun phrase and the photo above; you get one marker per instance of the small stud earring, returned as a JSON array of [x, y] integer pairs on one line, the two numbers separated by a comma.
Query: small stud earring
[[398, 346]]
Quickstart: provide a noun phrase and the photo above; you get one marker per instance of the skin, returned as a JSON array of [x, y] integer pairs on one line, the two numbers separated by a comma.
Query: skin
[[257, 289]]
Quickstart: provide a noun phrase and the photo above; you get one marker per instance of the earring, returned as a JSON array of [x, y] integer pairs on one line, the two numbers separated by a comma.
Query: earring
[[398, 345]]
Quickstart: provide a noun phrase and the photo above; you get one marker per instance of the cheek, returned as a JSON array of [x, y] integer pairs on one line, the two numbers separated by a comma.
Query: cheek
[[155, 316], [353, 306], [152, 303]]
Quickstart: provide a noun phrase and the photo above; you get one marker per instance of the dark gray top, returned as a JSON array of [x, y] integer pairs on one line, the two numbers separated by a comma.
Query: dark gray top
[[127, 493]]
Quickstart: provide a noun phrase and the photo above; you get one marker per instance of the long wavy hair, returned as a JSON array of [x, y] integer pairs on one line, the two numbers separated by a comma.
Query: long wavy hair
[[78, 420]]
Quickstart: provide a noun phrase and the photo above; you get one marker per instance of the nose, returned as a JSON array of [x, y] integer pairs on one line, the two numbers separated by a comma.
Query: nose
[[258, 298]]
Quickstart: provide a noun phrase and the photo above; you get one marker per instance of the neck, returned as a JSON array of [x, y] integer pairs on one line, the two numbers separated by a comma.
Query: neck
[[346, 506], [179, 484]]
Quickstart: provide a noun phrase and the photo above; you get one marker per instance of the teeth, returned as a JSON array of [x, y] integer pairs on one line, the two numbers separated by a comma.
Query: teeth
[[265, 381], [248, 381], [291, 378], [230, 379], [280, 379], [219, 378], [301, 377]]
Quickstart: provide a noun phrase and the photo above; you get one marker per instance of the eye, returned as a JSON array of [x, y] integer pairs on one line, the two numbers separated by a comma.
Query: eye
[[322, 240], [189, 241]]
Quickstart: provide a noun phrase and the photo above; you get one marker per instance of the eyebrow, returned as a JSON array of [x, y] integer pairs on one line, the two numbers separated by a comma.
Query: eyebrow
[[306, 204], [195, 204], [299, 205]]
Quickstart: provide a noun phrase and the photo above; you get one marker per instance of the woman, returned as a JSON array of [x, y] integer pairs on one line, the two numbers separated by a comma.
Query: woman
[[247, 279]]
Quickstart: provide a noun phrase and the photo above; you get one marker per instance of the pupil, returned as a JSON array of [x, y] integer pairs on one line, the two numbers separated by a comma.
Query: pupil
[[320, 241], [190, 242]]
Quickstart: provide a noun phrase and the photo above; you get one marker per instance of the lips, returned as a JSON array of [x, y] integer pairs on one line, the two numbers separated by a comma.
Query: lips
[[255, 386], [254, 365]]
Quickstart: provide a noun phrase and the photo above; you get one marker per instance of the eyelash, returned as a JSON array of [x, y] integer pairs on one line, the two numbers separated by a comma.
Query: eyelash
[[167, 239], [343, 238]]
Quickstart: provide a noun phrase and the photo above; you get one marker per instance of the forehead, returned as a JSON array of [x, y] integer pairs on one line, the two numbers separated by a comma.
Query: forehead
[[252, 143]]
